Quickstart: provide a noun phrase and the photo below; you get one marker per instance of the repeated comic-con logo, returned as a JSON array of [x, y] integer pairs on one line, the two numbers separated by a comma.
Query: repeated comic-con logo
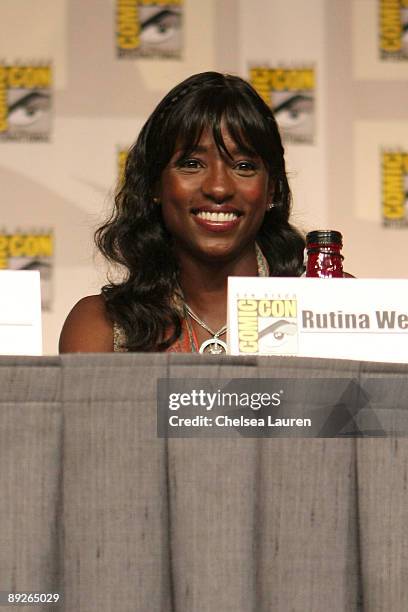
[[30, 251], [394, 194], [268, 326], [290, 92], [393, 29], [25, 102], [149, 28]]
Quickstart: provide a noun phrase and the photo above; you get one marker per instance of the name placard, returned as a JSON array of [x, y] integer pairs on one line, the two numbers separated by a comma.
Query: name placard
[[363, 319], [20, 313]]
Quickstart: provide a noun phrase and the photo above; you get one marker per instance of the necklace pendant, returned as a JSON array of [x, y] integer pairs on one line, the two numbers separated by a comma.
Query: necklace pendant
[[213, 346]]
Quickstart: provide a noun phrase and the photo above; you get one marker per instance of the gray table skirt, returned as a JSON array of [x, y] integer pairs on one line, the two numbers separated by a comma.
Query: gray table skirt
[[95, 505]]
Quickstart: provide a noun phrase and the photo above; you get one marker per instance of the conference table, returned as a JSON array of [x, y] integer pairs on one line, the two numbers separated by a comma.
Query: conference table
[[96, 506]]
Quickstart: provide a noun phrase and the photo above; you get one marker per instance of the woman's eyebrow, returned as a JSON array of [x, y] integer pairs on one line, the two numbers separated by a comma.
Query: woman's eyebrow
[[199, 149], [241, 150], [230, 151], [158, 17], [184, 152]]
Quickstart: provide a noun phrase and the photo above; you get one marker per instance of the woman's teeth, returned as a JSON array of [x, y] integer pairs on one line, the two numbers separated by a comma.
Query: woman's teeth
[[219, 217]]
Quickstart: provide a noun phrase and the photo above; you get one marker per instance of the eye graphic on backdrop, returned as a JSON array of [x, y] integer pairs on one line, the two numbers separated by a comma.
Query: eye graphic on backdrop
[[294, 111], [277, 333], [28, 109], [160, 27]]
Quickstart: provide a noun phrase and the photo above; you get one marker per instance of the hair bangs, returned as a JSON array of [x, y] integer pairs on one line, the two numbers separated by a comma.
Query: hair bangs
[[252, 131], [216, 113], [190, 120], [226, 118]]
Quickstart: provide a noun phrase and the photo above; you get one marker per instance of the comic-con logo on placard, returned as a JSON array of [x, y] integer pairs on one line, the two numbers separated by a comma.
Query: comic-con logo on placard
[[25, 102], [394, 203], [30, 251], [393, 26], [149, 28], [290, 92], [268, 326]]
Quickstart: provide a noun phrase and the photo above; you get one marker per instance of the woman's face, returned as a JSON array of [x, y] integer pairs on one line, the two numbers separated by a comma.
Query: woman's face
[[214, 205]]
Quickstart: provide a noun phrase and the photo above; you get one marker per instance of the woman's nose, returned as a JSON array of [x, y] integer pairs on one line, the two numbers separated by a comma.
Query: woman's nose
[[217, 183]]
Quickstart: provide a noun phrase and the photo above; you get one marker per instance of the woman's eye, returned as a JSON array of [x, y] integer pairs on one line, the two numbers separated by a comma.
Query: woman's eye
[[245, 167], [189, 164]]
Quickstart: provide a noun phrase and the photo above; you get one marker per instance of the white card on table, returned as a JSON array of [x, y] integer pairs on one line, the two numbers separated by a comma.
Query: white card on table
[[20, 312]]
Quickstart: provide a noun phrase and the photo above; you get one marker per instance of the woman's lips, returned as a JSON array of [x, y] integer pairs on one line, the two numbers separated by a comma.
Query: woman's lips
[[216, 221]]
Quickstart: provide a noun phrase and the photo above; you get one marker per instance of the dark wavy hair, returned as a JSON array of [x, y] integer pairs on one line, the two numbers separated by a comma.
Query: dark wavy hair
[[135, 236]]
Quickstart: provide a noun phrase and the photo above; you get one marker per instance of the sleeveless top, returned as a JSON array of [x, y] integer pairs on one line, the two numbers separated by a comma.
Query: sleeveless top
[[187, 343]]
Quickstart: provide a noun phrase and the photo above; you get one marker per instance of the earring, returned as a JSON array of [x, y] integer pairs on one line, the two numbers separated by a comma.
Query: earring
[[270, 205], [156, 200]]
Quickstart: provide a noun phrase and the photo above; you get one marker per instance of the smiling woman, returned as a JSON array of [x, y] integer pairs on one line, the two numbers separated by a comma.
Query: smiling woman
[[214, 202], [205, 196]]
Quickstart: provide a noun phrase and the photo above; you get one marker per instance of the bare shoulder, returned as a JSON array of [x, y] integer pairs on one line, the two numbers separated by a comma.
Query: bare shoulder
[[87, 328]]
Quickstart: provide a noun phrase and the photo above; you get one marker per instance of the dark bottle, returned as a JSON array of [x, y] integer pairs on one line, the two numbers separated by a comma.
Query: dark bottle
[[324, 258]]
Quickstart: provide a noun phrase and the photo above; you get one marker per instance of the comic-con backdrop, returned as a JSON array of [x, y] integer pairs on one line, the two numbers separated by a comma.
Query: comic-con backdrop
[[78, 80]]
